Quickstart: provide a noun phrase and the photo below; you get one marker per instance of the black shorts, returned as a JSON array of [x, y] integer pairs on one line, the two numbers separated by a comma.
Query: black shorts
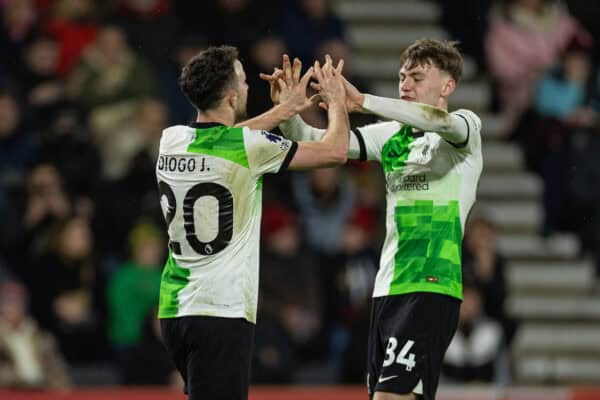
[[212, 354], [408, 337]]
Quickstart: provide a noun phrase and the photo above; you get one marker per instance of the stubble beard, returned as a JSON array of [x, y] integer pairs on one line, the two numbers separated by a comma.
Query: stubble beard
[[241, 115]]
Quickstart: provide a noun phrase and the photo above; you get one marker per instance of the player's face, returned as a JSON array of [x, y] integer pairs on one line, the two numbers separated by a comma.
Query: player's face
[[423, 84], [241, 90]]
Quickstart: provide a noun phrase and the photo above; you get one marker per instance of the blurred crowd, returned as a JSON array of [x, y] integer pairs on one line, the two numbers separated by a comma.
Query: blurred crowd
[[545, 70], [86, 88], [542, 61]]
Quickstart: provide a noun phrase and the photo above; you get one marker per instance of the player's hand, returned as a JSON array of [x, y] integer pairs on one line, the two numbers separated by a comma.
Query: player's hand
[[354, 98], [288, 88], [330, 82], [275, 90]]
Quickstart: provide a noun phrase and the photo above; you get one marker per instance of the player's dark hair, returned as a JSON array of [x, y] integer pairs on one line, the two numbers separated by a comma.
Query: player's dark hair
[[441, 53], [207, 75]]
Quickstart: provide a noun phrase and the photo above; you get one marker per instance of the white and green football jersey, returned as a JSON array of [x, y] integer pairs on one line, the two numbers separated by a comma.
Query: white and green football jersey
[[210, 183], [431, 186]]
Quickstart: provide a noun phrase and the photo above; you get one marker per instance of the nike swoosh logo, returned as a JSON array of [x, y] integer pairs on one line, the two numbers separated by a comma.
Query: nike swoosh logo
[[386, 378]]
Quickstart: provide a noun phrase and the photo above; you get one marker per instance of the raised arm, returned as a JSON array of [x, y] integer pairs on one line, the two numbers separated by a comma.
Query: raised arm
[[269, 119], [291, 124], [332, 148], [295, 128], [292, 102], [453, 128]]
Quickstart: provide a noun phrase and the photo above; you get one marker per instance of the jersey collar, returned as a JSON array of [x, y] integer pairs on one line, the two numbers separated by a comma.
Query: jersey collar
[[204, 125]]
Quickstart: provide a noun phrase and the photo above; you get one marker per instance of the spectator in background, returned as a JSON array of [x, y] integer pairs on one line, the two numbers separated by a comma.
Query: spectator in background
[[290, 324], [132, 295], [534, 32], [562, 91], [122, 202], [61, 141], [16, 143], [581, 179], [307, 25], [148, 362], [369, 183], [16, 152], [467, 22], [585, 194], [72, 24], [41, 88], [109, 81], [18, 24], [29, 358], [325, 198], [351, 291], [474, 350], [251, 19], [484, 266], [356, 281], [129, 190], [119, 147], [47, 203], [561, 110], [338, 49], [180, 109], [265, 56], [64, 143], [150, 28], [67, 291]]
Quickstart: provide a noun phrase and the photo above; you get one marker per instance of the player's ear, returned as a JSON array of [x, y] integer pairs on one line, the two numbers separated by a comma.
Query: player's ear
[[448, 86], [232, 98]]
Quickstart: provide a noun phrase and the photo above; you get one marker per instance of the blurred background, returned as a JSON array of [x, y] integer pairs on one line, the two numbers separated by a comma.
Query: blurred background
[[87, 86]]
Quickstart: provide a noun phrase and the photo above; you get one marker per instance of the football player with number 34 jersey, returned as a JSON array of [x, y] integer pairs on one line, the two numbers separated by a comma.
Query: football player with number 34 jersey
[[432, 162]]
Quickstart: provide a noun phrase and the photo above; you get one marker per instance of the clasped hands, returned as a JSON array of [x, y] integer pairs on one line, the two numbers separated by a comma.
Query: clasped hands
[[289, 89]]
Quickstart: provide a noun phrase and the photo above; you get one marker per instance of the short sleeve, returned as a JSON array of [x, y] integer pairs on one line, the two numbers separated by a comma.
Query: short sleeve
[[268, 152], [473, 122], [371, 138]]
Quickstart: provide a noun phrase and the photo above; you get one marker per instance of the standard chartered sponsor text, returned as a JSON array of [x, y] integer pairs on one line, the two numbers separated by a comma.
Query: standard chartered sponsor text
[[410, 183]]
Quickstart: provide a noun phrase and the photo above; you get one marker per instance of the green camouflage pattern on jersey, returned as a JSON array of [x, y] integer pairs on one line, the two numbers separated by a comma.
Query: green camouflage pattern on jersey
[[174, 278], [429, 236]]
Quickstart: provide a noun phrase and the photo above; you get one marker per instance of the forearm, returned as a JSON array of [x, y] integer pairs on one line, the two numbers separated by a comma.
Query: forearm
[[420, 116], [269, 119], [337, 133], [297, 130], [332, 149]]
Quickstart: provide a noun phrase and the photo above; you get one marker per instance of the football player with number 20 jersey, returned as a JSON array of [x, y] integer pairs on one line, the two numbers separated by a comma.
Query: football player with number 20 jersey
[[210, 179]]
